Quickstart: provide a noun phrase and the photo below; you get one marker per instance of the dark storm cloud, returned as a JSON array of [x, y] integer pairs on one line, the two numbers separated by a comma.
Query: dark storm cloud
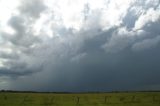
[[14, 74], [92, 58], [8, 55]]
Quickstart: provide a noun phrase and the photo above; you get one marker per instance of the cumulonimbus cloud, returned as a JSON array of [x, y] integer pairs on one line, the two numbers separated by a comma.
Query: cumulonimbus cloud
[[57, 37]]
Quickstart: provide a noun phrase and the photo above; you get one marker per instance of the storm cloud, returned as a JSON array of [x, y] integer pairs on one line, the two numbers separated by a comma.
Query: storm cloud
[[80, 45]]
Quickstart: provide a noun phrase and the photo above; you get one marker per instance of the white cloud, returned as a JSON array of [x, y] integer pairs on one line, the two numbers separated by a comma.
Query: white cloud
[[145, 20], [114, 13], [149, 17], [7, 9]]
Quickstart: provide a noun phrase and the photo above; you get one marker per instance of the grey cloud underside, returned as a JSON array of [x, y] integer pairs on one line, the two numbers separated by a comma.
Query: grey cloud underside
[[32, 9], [98, 71], [22, 37], [124, 57]]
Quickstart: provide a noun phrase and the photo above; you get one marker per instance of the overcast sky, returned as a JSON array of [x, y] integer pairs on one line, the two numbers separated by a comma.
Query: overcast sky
[[80, 45]]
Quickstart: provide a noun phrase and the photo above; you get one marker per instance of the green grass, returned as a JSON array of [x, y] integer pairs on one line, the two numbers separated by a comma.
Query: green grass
[[90, 99]]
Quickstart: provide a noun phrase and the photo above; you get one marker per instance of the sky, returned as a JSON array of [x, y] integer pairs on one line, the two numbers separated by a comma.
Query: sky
[[79, 45]]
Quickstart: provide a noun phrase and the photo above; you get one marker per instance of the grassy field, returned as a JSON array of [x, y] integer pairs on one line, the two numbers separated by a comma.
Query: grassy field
[[90, 99]]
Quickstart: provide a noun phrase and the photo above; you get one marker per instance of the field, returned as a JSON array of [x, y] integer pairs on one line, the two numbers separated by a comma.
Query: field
[[83, 99]]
